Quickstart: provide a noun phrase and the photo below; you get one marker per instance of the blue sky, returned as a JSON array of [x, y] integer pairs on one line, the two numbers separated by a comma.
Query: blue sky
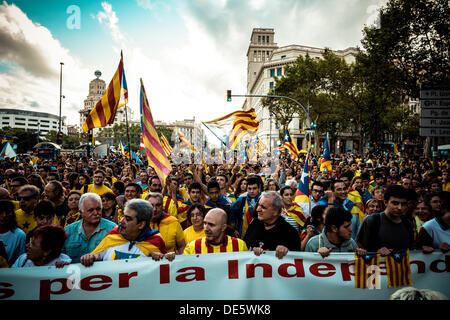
[[188, 52]]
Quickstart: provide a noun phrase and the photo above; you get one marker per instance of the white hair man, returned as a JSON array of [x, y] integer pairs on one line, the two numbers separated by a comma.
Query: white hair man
[[85, 234]]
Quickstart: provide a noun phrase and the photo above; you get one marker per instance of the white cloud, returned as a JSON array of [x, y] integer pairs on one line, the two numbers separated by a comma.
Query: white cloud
[[109, 17], [33, 57]]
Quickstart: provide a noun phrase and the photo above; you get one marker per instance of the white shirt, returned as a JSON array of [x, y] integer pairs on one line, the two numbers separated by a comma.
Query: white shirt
[[24, 262]]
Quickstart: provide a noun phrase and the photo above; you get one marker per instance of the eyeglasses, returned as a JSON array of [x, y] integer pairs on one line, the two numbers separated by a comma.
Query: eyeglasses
[[25, 198]]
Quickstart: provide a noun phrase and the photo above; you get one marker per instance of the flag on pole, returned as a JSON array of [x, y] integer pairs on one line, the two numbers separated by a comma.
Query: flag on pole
[[8, 151], [236, 125], [290, 145], [184, 142], [325, 162], [135, 157], [157, 158], [302, 194], [123, 149], [398, 269], [365, 267], [395, 150], [116, 95], [141, 146], [166, 146]]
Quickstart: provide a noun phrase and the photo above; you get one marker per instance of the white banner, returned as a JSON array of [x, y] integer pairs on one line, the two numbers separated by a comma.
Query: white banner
[[220, 276]]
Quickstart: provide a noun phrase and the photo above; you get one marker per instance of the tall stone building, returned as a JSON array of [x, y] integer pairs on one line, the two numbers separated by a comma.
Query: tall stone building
[[265, 60], [97, 88]]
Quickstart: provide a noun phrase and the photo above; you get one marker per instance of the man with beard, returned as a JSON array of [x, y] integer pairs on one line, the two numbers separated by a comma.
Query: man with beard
[[215, 239], [133, 237]]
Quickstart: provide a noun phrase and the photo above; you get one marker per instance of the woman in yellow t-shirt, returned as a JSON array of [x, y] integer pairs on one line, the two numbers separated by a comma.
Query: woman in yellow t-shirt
[[195, 215]]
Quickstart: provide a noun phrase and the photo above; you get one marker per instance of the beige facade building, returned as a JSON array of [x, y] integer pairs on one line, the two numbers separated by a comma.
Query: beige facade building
[[192, 130], [266, 60], [97, 88]]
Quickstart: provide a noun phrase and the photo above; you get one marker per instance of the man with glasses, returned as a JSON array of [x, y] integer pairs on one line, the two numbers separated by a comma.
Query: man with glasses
[[98, 187], [28, 197], [317, 192], [169, 227]]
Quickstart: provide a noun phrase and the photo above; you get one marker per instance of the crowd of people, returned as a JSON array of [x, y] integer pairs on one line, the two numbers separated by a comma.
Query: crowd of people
[[72, 209]]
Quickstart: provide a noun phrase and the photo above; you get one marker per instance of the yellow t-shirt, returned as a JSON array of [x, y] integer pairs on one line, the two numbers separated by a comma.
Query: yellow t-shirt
[[26, 222], [103, 189], [230, 244], [170, 230], [190, 234]]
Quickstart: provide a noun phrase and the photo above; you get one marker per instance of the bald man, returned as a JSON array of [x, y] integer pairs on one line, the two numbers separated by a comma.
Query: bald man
[[215, 240]]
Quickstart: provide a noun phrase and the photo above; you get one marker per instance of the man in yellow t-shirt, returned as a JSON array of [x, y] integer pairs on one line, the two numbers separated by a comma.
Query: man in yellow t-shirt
[[28, 196], [215, 239], [168, 226], [98, 187]]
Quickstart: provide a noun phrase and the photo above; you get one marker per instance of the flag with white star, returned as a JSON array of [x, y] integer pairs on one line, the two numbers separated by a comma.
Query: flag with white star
[[398, 269]]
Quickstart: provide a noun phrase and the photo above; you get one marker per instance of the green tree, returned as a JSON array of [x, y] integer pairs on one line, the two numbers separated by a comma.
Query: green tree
[[414, 37], [25, 140]]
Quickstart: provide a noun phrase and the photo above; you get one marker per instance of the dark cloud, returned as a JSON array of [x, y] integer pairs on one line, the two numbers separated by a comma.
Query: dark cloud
[[16, 46]]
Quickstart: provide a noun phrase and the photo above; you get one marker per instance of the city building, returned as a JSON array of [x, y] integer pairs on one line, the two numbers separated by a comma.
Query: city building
[[97, 88], [266, 60], [192, 130], [41, 122]]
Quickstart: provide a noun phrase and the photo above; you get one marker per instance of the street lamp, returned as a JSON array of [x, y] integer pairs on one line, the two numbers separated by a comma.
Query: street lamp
[[60, 94]]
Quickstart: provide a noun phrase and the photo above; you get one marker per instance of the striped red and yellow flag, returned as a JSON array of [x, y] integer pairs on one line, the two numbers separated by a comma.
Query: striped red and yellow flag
[[166, 146], [291, 146], [365, 270], [241, 123], [116, 95], [157, 158], [184, 142], [398, 269]]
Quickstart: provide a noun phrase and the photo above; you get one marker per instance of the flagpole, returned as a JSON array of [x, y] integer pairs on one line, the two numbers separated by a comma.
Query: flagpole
[[128, 134]]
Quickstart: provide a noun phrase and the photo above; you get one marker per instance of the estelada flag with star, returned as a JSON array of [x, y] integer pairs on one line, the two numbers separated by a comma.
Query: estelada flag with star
[[398, 269], [364, 268]]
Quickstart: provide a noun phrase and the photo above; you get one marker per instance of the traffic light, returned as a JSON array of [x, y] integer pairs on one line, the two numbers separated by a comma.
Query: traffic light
[[59, 138], [90, 139], [228, 95], [313, 124]]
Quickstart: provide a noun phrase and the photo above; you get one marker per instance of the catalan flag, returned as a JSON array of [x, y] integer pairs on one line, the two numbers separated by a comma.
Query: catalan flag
[[166, 146], [123, 149], [290, 145], [398, 269], [157, 158], [184, 142], [365, 267], [303, 193], [116, 95], [149, 240], [325, 162], [396, 150], [238, 124]]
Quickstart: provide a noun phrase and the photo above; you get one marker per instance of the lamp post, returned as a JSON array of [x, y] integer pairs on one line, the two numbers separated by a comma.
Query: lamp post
[[60, 94]]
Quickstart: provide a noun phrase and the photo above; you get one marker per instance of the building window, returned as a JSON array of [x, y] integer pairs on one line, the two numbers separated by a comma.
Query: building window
[[5, 123], [283, 57], [21, 119], [259, 39], [271, 84], [20, 124], [5, 117], [279, 72], [272, 72]]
